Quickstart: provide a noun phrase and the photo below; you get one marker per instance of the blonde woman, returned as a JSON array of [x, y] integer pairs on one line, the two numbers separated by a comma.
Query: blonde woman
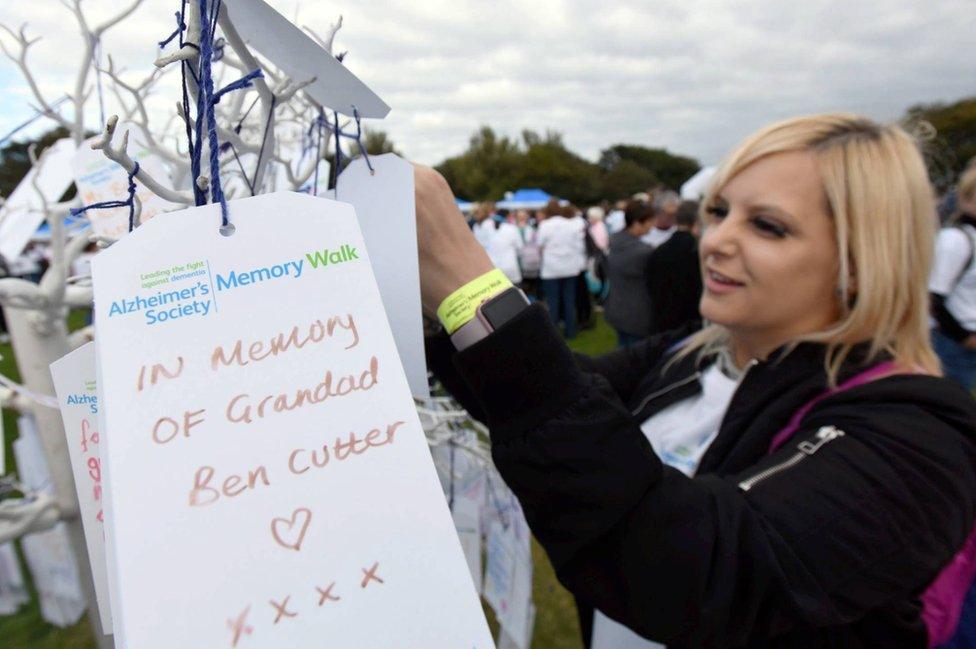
[[795, 475]]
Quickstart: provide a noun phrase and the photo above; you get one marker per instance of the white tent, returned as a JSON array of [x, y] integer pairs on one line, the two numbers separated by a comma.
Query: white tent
[[694, 188]]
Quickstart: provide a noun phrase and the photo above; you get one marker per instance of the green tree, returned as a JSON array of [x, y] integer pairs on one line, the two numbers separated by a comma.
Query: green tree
[[489, 167], [377, 143], [494, 164], [549, 165], [669, 169], [948, 137], [626, 178], [15, 161]]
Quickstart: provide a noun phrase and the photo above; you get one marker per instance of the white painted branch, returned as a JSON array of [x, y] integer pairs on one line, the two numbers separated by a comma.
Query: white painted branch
[[20, 294], [299, 179], [20, 61], [327, 42], [74, 248], [232, 61], [268, 100], [287, 89], [138, 95], [78, 338], [191, 40], [51, 287], [78, 297], [121, 156], [19, 517], [84, 66], [13, 400], [119, 17], [55, 277]]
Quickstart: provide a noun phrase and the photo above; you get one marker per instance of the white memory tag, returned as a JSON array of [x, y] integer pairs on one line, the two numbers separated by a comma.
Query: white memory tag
[[271, 485]]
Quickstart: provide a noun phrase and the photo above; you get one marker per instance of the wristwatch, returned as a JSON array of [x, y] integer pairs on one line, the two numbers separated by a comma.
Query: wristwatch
[[490, 315]]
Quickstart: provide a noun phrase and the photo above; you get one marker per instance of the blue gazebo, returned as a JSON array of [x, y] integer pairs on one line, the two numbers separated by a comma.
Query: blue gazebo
[[524, 199]]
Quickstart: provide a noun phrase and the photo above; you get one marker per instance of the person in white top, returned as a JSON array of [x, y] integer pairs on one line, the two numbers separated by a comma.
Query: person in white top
[[501, 240], [597, 228], [615, 219], [561, 236], [482, 213], [666, 205], [952, 288]]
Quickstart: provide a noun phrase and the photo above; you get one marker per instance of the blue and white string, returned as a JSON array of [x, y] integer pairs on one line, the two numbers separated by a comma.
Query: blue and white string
[[338, 134], [208, 99], [106, 205]]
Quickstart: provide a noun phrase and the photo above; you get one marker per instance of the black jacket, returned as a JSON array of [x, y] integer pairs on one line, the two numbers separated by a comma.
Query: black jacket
[[674, 282], [628, 306], [832, 552]]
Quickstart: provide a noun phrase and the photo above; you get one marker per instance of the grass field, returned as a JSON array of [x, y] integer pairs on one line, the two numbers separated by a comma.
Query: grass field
[[556, 625]]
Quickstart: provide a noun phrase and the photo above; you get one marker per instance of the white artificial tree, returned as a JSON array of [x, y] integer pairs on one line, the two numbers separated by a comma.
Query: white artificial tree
[[36, 314], [265, 134]]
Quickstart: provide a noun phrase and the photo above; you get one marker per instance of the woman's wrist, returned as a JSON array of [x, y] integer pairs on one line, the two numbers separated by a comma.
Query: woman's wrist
[[442, 276], [460, 305]]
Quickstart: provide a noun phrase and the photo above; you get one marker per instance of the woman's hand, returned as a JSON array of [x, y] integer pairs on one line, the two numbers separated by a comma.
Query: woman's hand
[[970, 342], [449, 254]]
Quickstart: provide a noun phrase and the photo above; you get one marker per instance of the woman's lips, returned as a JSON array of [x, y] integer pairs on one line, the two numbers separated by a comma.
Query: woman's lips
[[716, 282]]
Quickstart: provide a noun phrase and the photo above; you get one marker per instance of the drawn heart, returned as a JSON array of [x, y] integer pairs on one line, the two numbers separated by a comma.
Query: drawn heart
[[295, 527]]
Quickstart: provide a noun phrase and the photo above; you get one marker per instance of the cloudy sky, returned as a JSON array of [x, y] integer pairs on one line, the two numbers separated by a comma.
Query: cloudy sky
[[694, 76]]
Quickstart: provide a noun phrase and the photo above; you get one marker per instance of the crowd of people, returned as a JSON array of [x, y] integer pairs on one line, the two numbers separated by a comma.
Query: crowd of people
[[952, 284], [636, 259]]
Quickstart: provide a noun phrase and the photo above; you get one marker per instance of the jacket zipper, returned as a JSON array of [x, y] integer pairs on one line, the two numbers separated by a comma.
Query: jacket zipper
[[806, 448], [666, 389], [685, 381]]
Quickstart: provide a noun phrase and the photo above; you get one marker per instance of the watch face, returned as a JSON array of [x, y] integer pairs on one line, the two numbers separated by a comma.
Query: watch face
[[503, 307]]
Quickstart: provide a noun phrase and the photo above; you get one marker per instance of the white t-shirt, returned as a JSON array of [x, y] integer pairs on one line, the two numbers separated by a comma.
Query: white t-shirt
[[953, 248], [615, 221], [680, 434], [656, 237], [502, 245], [563, 247]]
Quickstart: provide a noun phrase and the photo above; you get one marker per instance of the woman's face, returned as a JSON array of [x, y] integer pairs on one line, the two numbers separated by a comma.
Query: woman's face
[[769, 255]]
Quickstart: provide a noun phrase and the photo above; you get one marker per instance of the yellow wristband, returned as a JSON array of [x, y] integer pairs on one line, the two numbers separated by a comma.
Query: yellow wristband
[[459, 307]]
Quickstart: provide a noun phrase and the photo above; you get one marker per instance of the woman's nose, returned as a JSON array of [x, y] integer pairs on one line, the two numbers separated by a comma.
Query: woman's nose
[[720, 237]]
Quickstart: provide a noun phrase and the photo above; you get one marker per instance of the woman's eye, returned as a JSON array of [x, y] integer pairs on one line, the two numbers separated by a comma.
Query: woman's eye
[[717, 211], [769, 227]]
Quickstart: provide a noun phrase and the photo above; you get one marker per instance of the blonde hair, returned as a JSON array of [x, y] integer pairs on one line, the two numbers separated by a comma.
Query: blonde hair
[[881, 203]]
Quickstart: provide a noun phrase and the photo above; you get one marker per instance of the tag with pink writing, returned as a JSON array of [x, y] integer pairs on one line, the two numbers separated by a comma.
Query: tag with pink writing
[[271, 484], [74, 382]]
